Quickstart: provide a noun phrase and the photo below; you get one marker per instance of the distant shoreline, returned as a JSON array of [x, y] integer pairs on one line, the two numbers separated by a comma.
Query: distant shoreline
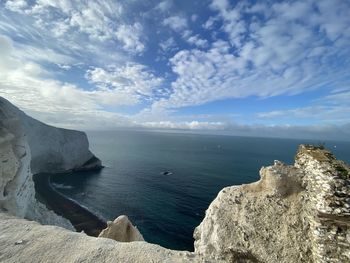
[[81, 218]]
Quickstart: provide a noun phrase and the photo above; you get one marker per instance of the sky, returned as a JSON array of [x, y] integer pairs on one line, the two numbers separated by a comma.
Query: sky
[[272, 68]]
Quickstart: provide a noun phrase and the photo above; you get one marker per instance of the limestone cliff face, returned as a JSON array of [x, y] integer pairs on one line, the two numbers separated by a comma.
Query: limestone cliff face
[[28, 146], [16, 186], [327, 202], [297, 213], [52, 149]]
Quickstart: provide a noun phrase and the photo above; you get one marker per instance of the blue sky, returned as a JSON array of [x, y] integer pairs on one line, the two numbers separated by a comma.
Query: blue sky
[[200, 65]]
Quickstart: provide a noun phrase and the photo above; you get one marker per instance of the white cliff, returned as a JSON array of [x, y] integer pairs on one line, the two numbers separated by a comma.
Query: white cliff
[[52, 149], [15, 175], [294, 213], [28, 147]]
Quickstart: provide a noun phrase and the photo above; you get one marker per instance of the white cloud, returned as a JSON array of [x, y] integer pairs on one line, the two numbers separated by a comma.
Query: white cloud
[[28, 85], [187, 125], [164, 5], [64, 66], [92, 17], [197, 41], [325, 113], [42, 55], [332, 109], [91, 21], [341, 97], [277, 54], [168, 45], [177, 23], [313, 132], [16, 5], [101, 20], [209, 23], [130, 36], [205, 76], [331, 18], [126, 85], [233, 24]]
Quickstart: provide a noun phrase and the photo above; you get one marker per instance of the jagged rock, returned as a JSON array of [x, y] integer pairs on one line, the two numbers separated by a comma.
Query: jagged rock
[[327, 200], [295, 213], [121, 229]]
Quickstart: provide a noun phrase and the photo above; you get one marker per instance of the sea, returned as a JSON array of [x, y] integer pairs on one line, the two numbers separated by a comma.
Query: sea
[[165, 181]]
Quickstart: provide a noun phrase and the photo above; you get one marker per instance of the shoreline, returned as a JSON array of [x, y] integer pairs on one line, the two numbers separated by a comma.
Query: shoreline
[[81, 218]]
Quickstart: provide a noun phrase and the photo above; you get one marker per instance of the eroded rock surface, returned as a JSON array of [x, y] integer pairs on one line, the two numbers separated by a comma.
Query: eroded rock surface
[[121, 229], [29, 242], [327, 200], [295, 213]]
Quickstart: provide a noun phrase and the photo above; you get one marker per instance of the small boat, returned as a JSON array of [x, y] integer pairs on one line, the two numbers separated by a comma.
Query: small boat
[[167, 173]]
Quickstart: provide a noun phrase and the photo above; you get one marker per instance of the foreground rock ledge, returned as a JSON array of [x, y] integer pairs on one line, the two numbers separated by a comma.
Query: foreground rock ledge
[[294, 213], [27, 241]]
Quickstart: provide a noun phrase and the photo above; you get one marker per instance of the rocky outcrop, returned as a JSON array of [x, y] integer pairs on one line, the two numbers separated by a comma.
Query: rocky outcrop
[[327, 202], [27, 147], [121, 229], [295, 213]]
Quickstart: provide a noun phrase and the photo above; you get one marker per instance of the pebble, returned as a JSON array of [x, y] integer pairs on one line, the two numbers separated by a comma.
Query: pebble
[[19, 242]]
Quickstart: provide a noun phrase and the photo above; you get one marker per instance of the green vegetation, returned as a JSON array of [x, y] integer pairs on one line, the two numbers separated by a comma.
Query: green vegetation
[[342, 170]]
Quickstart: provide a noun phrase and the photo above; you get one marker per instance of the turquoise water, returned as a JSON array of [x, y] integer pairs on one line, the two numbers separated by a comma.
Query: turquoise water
[[167, 208]]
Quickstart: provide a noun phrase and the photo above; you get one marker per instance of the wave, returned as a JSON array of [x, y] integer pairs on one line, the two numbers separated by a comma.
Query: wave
[[61, 186], [86, 208], [54, 188]]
